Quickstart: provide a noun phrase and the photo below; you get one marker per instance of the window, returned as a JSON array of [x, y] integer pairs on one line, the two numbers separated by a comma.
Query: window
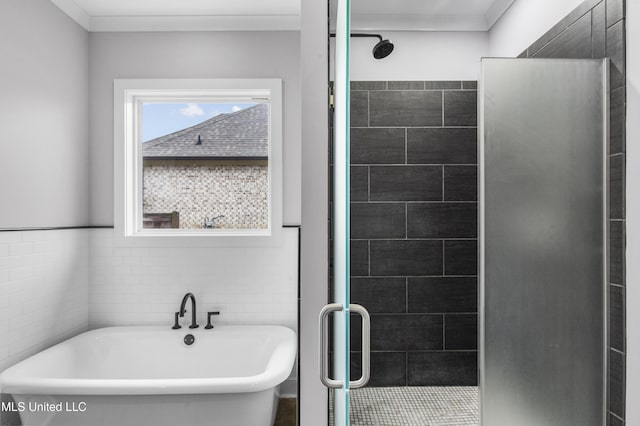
[[198, 158]]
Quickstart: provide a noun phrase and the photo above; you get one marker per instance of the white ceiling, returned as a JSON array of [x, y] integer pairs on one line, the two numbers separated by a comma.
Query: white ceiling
[[425, 15], [247, 15]]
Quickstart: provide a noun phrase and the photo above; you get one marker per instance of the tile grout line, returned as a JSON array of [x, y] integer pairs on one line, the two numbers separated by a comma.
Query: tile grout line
[[413, 276], [444, 336], [616, 350], [406, 368], [417, 239], [406, 146], [414, 164], [406, 221], [369, 257], [616, 416], [368, 109], [368, 183], [406, 294], [444, 271], [424, 127], [624, 18], [442, 93], [422, 202], [381, 314], [443, 183]]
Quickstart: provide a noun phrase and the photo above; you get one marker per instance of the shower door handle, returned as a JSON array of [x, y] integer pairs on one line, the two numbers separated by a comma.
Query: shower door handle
[[324, 339], [366, 346]]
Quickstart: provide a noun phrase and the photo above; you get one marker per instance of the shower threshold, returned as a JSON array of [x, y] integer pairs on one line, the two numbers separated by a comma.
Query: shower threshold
[[414, 405]]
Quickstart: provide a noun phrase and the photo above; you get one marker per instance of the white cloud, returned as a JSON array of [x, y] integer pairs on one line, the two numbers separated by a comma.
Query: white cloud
[[191, 110], [235, 108]]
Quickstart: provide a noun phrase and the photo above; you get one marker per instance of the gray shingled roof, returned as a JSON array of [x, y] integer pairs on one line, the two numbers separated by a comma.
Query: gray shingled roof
[[242, 134]]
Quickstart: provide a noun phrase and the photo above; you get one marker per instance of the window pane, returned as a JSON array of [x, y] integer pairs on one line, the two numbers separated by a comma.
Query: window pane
[[205, 165]]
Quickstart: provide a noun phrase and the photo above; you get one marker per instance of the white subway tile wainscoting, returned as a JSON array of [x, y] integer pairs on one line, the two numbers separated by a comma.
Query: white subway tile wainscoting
[[145, 285], [44, 291]]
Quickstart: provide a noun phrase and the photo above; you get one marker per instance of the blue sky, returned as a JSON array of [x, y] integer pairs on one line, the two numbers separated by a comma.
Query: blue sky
[[159, 119]]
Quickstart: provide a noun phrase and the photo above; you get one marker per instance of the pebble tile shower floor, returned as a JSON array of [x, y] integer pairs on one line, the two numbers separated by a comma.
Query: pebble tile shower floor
[[415, 405]]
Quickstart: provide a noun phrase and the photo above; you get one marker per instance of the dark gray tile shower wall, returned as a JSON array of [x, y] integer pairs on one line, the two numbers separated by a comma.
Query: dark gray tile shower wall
[[414, 230], [596, 29]]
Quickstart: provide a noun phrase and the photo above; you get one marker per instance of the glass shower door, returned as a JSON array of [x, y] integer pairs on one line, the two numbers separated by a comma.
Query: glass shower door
[[341, 309]]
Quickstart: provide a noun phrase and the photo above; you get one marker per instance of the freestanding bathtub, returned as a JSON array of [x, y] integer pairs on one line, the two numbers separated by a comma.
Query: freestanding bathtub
[[150, 376]]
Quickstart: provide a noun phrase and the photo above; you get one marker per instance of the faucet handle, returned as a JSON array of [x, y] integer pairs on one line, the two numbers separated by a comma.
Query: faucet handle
[[209, 326], [176, 325]]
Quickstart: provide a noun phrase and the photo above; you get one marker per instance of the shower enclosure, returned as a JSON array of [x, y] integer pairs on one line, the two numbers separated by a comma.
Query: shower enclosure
[[521, 257], [543, 233]]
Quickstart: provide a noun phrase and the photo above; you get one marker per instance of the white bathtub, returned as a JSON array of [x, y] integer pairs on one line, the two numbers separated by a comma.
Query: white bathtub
[[149, 376]]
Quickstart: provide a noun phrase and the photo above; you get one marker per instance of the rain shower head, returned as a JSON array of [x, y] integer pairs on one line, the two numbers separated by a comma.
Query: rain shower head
[[381, 50]]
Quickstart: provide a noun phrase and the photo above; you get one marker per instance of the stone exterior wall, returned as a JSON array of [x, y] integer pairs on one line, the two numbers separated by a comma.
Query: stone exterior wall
[[196, 191]]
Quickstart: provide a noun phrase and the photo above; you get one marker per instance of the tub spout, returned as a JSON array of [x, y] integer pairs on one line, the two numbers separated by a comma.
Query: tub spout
[[183, 309]]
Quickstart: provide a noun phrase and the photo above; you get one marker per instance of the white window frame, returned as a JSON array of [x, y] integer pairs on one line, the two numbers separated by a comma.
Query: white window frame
[[129, 95]]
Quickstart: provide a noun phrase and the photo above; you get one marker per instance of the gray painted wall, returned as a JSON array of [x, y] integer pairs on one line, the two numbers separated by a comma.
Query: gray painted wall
[[44, 80], [44, 171], [420, 55], [190, 55], [314, 250]]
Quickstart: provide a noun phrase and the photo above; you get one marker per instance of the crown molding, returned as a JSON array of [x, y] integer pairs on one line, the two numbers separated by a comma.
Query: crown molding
[[417, 22], [496, 10], [75, 12], [178, 22], [195, 23]]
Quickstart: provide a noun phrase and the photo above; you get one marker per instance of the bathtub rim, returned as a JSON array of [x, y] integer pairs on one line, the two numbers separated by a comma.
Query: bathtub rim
[[277, 370]]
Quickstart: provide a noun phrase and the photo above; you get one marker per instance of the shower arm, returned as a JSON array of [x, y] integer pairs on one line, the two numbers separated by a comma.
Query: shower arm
[[378, 36]]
